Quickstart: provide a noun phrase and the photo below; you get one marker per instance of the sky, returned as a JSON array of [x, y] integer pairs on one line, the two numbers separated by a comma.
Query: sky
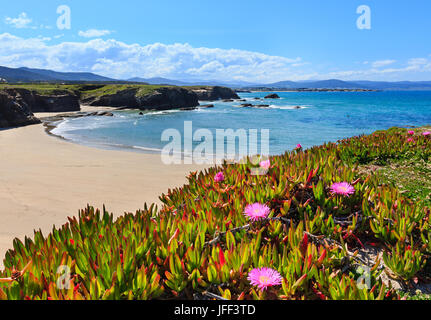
[[236, 40]]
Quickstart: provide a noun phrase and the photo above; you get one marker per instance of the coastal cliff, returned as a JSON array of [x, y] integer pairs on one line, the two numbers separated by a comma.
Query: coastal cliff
[[18, 103], [215, 93], [160, 98], [40, 101], [14, 110]]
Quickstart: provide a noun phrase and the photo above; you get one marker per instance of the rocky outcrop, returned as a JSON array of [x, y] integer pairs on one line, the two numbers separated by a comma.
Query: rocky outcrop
[[61, 102], [14, 110], [57, 101], [169, 98], [161, 99], [215, 93], [123, 98], [249, 105], [272, 96]]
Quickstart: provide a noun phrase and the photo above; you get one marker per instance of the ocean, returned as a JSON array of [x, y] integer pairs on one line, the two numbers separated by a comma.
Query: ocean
[[323, 117]]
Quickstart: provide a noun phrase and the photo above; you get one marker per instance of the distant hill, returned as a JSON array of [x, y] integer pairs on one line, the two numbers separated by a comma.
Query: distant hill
[[327, 84], [158, 81], [171, 82], [340, 84], [400, 85], [15, 75], [42, 75]]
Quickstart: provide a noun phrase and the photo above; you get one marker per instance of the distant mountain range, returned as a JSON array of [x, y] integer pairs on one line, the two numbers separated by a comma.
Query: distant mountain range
[[14, 75], [193, 83], [41, 75], [340, 84]]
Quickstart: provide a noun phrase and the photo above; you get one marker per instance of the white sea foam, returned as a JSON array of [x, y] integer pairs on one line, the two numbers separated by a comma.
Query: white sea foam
[[289, 107], [162, 112]]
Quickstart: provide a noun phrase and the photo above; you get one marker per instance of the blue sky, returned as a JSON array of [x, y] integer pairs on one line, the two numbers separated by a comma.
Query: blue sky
[[257, 41]]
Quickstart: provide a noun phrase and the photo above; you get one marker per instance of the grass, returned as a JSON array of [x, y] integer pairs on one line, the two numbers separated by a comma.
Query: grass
[[87, 90], [412, 178], [141, 90], [43, 89]]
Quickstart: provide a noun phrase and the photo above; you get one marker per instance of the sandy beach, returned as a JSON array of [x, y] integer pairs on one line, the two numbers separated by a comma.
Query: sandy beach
[[44, 179]]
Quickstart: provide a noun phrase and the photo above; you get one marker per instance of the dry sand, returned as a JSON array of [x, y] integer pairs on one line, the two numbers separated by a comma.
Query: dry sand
[[44, 179]]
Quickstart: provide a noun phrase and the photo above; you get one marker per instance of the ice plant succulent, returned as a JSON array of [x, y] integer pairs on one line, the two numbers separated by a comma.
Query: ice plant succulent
[[298, 146], [426, 133], [264, 278], [343, 189], [198, 239], [219, 177], [257, 211], [265, 164], [411, 132]]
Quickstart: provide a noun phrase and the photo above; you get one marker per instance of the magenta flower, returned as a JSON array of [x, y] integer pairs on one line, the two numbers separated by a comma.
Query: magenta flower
[[343, 189], [411, 132], [219, 177], [264, 278], [298, 146], [265, 164], [410, 140], [257, 211], [426, 134]]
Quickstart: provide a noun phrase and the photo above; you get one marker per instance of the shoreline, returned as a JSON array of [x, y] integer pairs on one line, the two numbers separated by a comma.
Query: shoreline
[[46, 179], [53, 119]]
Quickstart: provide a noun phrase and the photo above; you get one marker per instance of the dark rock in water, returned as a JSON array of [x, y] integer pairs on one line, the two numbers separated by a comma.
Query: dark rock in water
[[242, 100], [105, 114], [207, 106], [272, 96], [14, 110], [141, 113], [257, 98], [297, 107], [249, 105], [188, 109], [215, 93], [228, 100]]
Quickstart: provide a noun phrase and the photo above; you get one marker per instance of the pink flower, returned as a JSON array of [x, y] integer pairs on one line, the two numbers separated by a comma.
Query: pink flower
[[427, 133], [342, 188], [410, 140], [411, 132], [298, 146], [265, 164], [219, 177], [264, 278], [257, 211]]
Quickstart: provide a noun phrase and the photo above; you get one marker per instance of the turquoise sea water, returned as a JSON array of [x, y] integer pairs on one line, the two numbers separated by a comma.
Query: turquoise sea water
[[325, 116]]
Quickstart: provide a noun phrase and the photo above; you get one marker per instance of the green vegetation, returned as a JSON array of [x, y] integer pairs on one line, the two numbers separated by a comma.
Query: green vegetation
[[200, 243], [84, 90], [411, 174], [141, 90], [43, 89]]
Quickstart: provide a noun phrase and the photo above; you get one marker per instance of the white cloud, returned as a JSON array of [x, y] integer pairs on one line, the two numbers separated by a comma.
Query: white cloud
[[93, 33], [23, 21], [383, 63], [119, 60], [418, 61]]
